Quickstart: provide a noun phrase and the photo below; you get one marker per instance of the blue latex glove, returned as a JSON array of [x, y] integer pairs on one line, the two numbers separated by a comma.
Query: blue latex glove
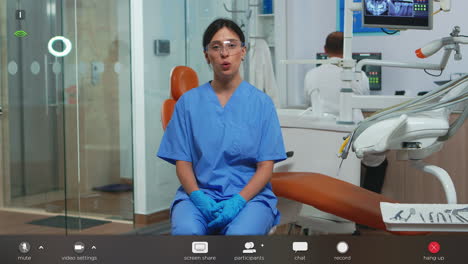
[[230, 210], [207, 206]]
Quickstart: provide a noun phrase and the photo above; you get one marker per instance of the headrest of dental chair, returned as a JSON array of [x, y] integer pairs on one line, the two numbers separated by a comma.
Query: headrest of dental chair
[[183, 78]]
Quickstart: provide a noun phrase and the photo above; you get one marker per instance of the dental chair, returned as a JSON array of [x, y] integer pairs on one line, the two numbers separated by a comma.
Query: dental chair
[[296, 188], [183, 78]]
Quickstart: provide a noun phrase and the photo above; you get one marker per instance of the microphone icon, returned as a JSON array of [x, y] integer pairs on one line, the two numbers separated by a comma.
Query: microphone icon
[[24, 247]]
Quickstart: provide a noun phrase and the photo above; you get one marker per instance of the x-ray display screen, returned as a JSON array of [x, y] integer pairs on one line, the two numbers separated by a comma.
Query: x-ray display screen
[[398, 14]]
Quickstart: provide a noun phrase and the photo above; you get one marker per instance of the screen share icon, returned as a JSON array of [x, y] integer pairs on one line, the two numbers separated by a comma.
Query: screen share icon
[[200, 247]]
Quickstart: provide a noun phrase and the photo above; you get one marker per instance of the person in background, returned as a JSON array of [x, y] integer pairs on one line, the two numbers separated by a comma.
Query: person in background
[[322, 86], [224, 137]]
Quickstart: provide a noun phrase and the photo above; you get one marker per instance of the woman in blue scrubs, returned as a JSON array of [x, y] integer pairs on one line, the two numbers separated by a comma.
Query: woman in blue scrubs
[[224, 137]]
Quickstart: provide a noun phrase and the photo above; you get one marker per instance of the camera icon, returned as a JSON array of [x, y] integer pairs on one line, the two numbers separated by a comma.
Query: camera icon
[[79, 247]]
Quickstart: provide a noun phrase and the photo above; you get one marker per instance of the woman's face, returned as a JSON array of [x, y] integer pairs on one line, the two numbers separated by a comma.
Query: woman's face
[[225, 53]]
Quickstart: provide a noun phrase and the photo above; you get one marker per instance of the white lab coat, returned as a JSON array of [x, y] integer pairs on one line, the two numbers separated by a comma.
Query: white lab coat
[[261, 73], [325, 81]]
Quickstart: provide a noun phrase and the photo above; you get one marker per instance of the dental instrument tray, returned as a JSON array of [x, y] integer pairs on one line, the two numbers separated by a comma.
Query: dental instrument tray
[[425, 217]]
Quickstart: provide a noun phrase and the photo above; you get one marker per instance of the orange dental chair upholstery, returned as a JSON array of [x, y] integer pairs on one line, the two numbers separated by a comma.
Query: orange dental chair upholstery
[[183, 78], [320, 191]]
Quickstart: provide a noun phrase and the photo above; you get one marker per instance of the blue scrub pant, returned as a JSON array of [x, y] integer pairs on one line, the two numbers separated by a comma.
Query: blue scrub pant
[[256, 218]]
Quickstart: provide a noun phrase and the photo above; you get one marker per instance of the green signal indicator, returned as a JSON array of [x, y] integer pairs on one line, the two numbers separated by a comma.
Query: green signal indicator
[[21, 33]]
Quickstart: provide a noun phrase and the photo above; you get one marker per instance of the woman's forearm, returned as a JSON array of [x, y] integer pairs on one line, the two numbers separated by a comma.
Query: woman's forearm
[[186, 176], [258, 181]]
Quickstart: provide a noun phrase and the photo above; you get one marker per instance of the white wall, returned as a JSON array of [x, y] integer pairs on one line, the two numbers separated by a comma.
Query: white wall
[[200, 13], [162, 20], [308, 24], [310, 21], [150, 79]]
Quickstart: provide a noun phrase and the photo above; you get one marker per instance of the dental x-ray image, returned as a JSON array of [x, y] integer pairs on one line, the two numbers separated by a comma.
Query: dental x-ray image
[[400, 8], [389, 7], [377, 7]]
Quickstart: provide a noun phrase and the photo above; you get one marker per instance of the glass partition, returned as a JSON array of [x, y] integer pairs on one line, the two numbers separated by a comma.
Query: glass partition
[[66, 128]]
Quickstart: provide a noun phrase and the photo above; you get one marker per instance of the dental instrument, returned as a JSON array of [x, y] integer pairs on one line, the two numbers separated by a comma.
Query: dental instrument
[[398, 215], [412, 212]]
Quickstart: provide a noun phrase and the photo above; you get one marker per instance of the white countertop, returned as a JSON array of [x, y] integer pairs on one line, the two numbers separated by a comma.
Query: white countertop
[[297, 118]]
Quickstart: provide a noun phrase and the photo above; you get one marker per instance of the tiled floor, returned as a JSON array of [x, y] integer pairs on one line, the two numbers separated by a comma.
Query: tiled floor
[[15, 223], [117, 206]]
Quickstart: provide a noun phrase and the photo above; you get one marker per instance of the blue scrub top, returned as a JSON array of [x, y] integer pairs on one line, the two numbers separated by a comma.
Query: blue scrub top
[[224, 144]]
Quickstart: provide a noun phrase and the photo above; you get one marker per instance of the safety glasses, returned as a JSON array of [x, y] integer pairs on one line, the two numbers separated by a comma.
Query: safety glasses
[[231, 47]]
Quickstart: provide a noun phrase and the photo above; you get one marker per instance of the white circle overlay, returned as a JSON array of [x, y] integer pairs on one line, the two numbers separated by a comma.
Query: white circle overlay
[[66, 50]]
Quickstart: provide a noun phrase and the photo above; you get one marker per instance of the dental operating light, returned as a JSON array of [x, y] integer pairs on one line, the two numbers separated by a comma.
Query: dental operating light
[[434, 46]]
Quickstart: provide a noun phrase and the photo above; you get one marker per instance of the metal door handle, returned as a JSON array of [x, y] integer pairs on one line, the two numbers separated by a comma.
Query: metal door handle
[[46, 80]]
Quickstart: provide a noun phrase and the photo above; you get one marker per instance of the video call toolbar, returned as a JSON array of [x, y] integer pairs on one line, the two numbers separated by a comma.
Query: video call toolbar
[[234, 249]]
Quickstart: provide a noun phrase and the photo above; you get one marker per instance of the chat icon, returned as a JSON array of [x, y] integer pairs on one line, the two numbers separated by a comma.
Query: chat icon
[[300, 246], [200, 247]]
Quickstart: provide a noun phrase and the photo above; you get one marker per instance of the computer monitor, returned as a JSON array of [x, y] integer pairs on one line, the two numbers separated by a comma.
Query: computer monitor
[[397, 14], [374, 73]]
